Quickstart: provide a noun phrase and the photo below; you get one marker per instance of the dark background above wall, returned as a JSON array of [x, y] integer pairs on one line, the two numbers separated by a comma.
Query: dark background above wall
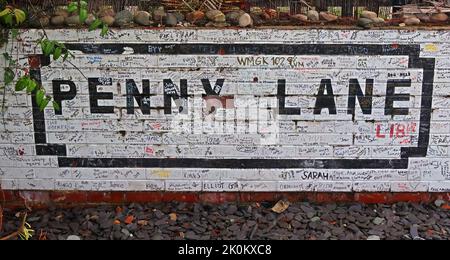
[[296, 5]]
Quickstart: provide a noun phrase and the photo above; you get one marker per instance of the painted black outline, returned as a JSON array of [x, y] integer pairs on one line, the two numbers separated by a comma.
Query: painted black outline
[[411, 50]]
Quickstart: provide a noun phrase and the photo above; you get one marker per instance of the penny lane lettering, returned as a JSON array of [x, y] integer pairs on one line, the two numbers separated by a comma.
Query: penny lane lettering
[[233, 111], [325, 99]]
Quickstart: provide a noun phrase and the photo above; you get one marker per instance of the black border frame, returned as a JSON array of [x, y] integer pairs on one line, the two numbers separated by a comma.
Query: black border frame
[[410, 50]]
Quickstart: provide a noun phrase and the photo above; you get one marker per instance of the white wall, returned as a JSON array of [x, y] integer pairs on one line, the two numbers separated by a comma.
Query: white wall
[[247, 146]]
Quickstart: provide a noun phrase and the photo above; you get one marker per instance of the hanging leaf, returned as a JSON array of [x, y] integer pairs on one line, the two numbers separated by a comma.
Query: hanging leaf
[[9, 76], [57, 54], [73, 6], [9, 19], [83, 15], [47, 47], [96, 24], [5, 12], [31, 85], [83, 4], [21, 83], [105, 30], [56, 106], [44, 103], [40, 95], [20, 16]]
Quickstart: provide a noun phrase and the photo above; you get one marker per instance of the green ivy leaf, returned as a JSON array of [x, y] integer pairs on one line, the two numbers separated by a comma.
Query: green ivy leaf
[[48, 47], [57, 54], [20, 16], [31, 85], [9, 76], [56, 106], [105, 30], [96, 24], [44, 103], [40, 95], [5, 12], [83, 15], [83, 4], [73, 6], [9, 19], [21, 83]]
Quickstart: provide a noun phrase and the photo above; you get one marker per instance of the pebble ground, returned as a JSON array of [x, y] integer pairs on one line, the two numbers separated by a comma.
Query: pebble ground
[[257, 221]]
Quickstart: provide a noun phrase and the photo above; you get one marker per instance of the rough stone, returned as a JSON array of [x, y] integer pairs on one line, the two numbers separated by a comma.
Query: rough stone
[[424, 18], [73, 20], [378, 20], [170, 20], [369, 15], [245, 20], [412, 21], [106, 11], [195, 16], [61, 12], [373, 237], [126, 232], [313, 15], [328, 17], [124, 18], [142, 18], [270, 14], [257, 20], [378, 221], [233, 17], [109, 20], [365, 23], [300, 18], [216, 16], [439, 203], [439, 18], [39, 21], [191, 236], [159, 14], [58, 20], [315, 219], [414, 231], [180, 17], [73, 238]]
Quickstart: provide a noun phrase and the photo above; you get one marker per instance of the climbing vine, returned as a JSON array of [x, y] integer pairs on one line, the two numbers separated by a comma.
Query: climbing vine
[[12, 18]]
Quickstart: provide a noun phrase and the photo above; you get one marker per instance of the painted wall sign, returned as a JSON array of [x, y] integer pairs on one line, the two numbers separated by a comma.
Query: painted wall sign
[[231, 110]]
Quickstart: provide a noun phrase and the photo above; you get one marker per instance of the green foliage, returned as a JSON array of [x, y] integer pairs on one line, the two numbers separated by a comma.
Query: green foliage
[[79, 7], [12, 16], [9, 76], [23, 83], [56, 49], [95, 25]]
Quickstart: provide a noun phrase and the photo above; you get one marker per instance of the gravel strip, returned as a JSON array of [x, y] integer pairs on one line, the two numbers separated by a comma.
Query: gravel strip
[[178, 221]]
